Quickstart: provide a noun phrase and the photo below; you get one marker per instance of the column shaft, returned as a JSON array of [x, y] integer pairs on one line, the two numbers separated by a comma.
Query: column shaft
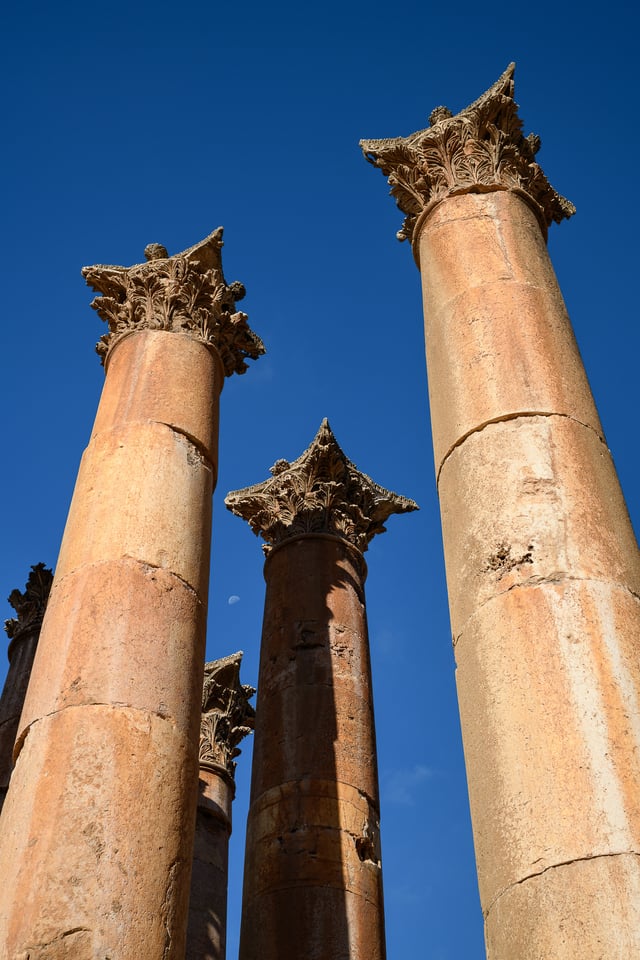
[[312, 886], [97, 830], [544, 581], [207, 929]]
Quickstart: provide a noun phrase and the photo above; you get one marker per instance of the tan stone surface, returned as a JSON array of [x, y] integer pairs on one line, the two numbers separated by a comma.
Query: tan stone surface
[[125, 633], [151, 380], [548, 679], [113, 874], [527, 500], [589, 909], [215, 796], [499, 341], [143, 492]]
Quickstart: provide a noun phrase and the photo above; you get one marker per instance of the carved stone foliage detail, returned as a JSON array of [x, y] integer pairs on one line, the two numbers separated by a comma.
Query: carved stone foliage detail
[[30, 605], [320, 492], [227, 716], [479, 150], [186, 293]]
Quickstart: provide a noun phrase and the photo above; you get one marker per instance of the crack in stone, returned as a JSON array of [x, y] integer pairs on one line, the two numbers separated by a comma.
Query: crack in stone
[[128, 558], [167, 908], [524, 414], [48, 943], [533, 582], [556, 866]]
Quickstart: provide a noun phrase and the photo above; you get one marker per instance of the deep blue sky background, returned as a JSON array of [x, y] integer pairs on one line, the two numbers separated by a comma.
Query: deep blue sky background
[[130, 123]]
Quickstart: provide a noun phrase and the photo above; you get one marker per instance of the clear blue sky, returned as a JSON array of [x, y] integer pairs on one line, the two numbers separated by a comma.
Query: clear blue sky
[[130, 123]]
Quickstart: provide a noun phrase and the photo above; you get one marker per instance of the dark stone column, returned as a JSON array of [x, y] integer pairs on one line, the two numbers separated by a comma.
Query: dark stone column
[[312, 879], [23, 632]]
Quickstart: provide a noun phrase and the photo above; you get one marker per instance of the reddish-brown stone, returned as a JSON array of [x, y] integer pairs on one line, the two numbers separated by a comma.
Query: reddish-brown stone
[[313, 885]]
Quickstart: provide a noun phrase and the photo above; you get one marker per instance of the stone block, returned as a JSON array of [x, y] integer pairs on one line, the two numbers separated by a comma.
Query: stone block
[[163, 513], [548, 679], [125, 633], [528, 500]]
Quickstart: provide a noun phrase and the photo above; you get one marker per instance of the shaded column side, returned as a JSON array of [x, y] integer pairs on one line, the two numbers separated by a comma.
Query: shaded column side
[[312, 881], [227, 717], [23, 632]]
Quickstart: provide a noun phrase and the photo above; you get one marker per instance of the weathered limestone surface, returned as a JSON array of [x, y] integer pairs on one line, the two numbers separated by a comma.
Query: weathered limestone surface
[[542, 564], [23, 632], [312, 881], [96, 835], [227, 717]]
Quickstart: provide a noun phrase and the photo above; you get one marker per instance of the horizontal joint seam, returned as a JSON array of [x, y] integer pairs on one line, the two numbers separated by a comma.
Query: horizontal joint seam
[[521, 414]]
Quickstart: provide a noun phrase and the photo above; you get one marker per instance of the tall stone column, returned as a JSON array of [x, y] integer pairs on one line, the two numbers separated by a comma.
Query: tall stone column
[[23, 632], [542, 564], [227, 717], [96, 834], [312, 879]]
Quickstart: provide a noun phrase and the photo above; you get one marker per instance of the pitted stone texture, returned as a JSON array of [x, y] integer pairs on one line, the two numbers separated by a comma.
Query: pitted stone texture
[[532, 499], [548, 679], [315, 673], [167, 378], [83, 827], [499, 341], [589, 909], [160, 515], [125, 633]]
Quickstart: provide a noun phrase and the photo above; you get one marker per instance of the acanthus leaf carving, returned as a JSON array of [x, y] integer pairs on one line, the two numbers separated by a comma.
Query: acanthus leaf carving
[[480, 149], [186, 293], [30, 606], [320, 492], [227, 716]]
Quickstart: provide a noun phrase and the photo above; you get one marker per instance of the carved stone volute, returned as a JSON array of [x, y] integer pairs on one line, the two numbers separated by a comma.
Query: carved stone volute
[[479, 150], [186, 293], [30, 606], [227, 716], [320, 492]]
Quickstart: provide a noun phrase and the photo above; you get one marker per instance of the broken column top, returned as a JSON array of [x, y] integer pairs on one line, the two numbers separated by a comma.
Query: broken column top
[[227, 716], [479, 150], [185, 293], [30, 606], [320, 492]]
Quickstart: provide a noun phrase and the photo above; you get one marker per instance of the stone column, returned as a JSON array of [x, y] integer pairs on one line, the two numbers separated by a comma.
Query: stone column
[[227, 717], [23, 632], [542, 564], [96, 836], [312, 879]]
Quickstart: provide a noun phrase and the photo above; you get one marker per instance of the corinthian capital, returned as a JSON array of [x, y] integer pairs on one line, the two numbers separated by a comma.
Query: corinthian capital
[[30, 605], [227, 716], [186, 293], [479, 150], [320, 492]]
